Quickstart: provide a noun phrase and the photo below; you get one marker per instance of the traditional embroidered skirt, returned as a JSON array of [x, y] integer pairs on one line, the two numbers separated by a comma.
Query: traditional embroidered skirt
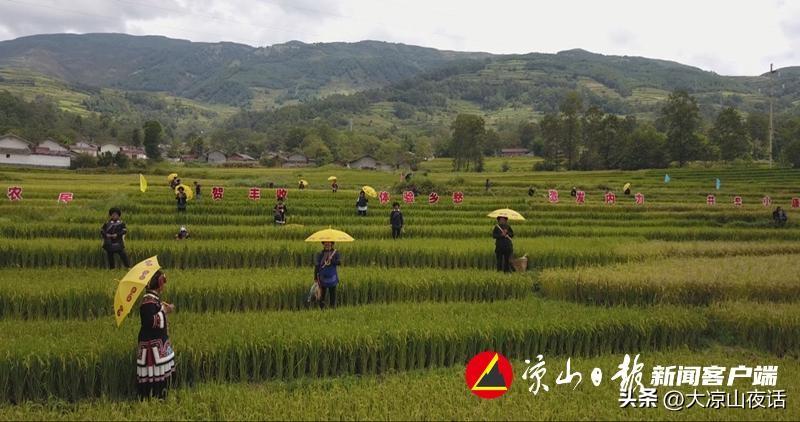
[[155, 361]]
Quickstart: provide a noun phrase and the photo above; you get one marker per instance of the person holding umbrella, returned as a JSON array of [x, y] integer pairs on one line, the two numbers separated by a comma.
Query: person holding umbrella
[[181, 197], [113, 233], [326, 263], [334, 184], [502, 234], [155, 359]]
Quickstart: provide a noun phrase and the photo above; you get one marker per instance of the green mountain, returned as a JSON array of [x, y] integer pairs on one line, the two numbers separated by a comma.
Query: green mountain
[[226, 73]]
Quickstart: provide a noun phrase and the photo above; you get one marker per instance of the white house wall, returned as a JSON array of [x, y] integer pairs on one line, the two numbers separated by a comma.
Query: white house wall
[[35, 160]]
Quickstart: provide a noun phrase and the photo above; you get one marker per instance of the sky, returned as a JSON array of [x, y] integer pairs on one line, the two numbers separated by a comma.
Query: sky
[[734, 37]]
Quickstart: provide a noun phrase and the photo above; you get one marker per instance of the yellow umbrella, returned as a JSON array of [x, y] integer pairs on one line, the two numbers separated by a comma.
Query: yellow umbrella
[[142, 183], [332, 178], [370, 191], [304, 183], [507, 213], [188, 190], [330, 235], [627, 186], [132, 285], [172, 177]]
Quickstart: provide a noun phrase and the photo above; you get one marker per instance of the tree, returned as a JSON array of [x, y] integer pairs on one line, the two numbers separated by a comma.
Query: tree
[[121, 160], [680, 119], [730, 135], [491, 142], [105, 159], [592, 128], [645, 148], [758, 130], [571, 126], [551, 139], [315, 149], [152, 139], [136, 137], [527, 134], [791, 153], [466, 142]]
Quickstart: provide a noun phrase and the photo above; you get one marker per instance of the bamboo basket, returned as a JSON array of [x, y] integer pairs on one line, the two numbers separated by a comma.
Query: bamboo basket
[[520, 264]]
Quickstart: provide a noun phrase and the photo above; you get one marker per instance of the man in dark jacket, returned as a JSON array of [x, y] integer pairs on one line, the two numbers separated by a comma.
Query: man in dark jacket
[[396, 220], [113, 233], [779, 217], [503, 248]]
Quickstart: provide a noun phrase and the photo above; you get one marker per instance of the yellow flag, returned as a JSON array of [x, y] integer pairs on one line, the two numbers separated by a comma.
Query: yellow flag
[[142, 183]]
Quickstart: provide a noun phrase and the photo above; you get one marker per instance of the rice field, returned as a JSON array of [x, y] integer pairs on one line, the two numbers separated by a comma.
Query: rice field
[[675, 280]]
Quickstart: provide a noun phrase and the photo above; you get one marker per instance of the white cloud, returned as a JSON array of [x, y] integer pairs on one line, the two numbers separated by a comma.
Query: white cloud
[[740, 37]]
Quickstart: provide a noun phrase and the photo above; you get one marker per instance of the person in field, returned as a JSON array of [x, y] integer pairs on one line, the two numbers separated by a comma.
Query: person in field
[[197, 190], [279, 212], [503, 247], [361, 204], [531, 191], [183, 234], [182, 198], [574, 192], [325, 273], [779, 217], [488, 185], [155, 359], [396, 220], [301, 186], [334, 187], [113, 233]]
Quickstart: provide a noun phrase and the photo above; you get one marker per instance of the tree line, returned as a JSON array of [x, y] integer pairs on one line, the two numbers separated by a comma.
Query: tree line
[[587, 138]]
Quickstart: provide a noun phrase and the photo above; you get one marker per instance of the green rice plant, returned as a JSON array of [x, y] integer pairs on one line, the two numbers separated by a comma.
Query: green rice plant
[[774, 327], [83, 294], [432, 394], [75, 359], [697, 281]]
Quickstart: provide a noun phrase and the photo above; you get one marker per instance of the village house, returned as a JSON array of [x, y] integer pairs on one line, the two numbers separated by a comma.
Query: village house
[[514, 152], [188, 158], [215, 157], [135, 153], [15, 150], [86, 148], [369, 163], [110, 148], [295, 160], [240, 157]]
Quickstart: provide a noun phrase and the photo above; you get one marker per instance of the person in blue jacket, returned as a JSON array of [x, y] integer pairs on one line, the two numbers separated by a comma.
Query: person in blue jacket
[[325, 273]]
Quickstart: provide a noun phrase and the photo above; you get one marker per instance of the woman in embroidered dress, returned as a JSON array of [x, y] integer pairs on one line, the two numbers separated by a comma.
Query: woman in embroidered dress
[[325, 273], [155, 359]]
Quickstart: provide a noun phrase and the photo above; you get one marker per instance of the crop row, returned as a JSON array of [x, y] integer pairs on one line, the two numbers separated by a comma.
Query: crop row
[[89, 293], [542, 252], [698, 281], [78, 359], [412, 229], [434, 394]]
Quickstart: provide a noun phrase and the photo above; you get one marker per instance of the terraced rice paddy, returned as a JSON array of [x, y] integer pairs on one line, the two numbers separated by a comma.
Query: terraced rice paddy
[[676, 280]]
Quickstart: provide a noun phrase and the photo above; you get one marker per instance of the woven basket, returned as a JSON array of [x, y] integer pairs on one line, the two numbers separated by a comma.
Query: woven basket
[[520, 264]]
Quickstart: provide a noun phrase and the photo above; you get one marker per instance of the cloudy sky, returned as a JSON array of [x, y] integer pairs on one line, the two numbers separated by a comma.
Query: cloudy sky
[[740, 37]]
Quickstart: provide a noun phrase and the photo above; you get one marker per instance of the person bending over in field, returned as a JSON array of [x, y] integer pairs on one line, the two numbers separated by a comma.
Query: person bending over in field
[[503, 248], [779, 217], [183, 234], [279, 212], [113, 233], [155, 359], [361, 204], [396, 220], [325, 273], [182, 199]]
